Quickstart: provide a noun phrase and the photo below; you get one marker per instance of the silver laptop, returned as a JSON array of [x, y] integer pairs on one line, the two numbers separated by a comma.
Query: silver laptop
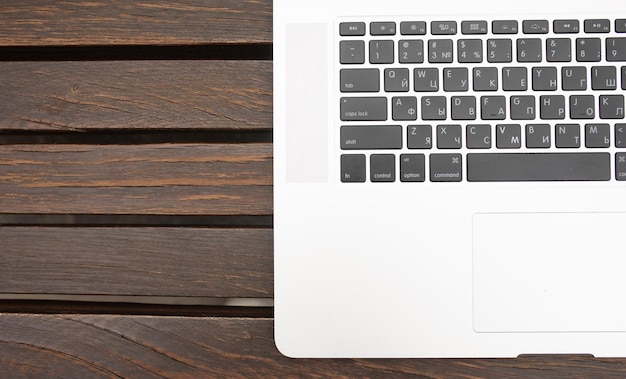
[[450, 178]]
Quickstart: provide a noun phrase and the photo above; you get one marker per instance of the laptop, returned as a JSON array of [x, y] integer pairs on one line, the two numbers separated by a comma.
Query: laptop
[[449, 178]]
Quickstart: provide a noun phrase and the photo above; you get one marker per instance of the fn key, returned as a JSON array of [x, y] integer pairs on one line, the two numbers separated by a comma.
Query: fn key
[[353, 168]]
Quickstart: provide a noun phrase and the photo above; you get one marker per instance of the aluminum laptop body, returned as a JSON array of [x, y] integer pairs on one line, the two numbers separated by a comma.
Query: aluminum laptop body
[[449, 178]]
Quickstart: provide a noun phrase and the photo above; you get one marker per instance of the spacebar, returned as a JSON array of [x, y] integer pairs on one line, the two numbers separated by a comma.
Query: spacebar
[[518, 167]]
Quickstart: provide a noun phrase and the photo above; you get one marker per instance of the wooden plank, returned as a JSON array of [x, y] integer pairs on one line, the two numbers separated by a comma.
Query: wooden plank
[[131, 346], [110, 22], [146, 95], [138, 261], [198, 179]]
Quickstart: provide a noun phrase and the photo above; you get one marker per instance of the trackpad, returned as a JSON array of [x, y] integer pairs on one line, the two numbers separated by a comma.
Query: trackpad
[[549, 272]]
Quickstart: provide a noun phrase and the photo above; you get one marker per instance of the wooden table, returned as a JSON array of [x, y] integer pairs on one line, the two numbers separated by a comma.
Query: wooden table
[[136, 198]]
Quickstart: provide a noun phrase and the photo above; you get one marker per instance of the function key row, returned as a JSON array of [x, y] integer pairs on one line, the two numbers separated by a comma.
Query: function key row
[[389, 28]]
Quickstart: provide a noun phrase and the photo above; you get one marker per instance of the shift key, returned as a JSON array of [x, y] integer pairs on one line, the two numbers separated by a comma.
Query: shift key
[[371, 137], [363, 108]]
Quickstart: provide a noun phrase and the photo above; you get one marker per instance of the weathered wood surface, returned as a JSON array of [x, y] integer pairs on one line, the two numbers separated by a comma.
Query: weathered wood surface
[[171, 347], [123, 22], [145, 95], [163, 261], [200, 179]]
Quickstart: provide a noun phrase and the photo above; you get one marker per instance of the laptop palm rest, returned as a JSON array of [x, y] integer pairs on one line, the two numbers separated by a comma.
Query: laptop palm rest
[[549, 272]]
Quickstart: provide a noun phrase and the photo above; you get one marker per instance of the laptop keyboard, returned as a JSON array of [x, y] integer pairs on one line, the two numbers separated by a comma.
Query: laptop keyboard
[[482, 101]]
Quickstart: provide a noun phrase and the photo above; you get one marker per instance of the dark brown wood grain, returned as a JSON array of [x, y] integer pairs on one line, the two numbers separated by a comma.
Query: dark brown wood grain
[[198, 179], [172, 347], [160, 261], [108, 22], [145, 95]]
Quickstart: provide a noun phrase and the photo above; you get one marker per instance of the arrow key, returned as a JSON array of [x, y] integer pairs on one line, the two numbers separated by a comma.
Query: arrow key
[[620, 135]]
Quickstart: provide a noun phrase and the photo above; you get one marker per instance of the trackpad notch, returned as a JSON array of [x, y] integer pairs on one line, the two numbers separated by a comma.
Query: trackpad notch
[[549, 272]]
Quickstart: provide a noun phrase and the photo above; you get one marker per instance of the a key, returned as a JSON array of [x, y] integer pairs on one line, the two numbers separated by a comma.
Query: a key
[[529, 50], [552, 107], [446, 168], [449, 136], [508, 136], [371, 137], [411, 51], [485, 79], [478, 136], [381, 52], [455, 79], [397, 79], [574, 78], [413, 28], [463, 107], [616, 49], [440, 51], [493, 107], [353, 168], [582, 107], [504, 27], [620, 166], [434, 108], [620, 25], [404, 108], [360, 80], [566, 26], [603, 78], [558, 50], [352, 29], [412, 167], [620, 135], [524, 167], [363, 109], [514, 79], [419, 137], [352, 52], [523, 107], [382, 168], [443, 27], [470, 50], [597, 135], [597, 26], [382, 28], [535, 26], [567, 135], [588, 49], [474, 27], [426, 79], [538, 136], [499, 50], [612, 106], [544, 78], [624, 77]]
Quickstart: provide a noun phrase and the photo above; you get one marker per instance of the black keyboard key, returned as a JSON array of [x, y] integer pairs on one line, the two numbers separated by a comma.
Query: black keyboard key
[[446, 168], [443, 27], [360, 80], [404, 108], [470, 50], [474, 27], [508, 136], [588, 49], [597, 26], [504, 27], [529, 50], [582, 107], [353, 168], [538, 136], [616, 49], [382, 168], [559, 50], [535, 26], [397, 79], [412, 167], [620, 166], [420, 137], [620, 25], [413, 28], [597, 135], [370, 137], [567, 136], [620, 135], [449, 137], [352, 29], [574, 78], [382, 28], [363, 108], [381, 52], [352, 52], [566, 26], [544, 78], [603, 78], [552, 107], [499, 50], [514, 78], [521, 167], [478, 136], [493, 107], [455, 79], [426, 79], [612, 107], [411, 51], [485, 78], [523, 107], [440, 51]]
